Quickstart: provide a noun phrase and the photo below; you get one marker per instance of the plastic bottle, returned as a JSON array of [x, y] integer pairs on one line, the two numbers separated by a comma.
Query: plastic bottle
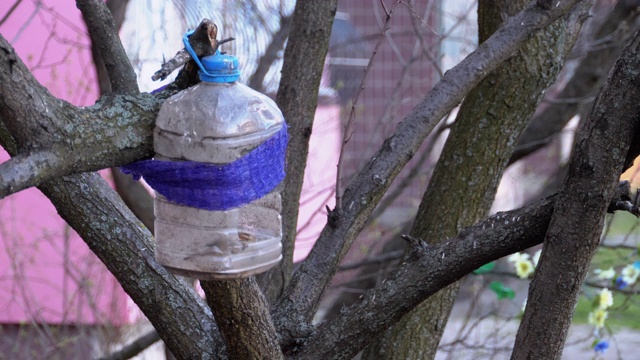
[[217, 121]]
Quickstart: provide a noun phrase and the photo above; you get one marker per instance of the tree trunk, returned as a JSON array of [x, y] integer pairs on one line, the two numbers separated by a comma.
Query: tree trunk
[[466, 177]]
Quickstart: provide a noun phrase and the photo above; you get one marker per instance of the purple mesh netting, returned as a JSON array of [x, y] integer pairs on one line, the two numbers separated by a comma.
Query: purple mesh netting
[[217, 187]]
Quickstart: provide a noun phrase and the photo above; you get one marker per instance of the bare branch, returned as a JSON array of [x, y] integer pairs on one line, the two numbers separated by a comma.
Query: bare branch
[[103, 33], [298, 98], [244, 319], [271, 53], [587, 78], [112, 232], [424, 272], [24, 171], [361, 196], [115, 131], [135, 347], [351, 122], [10, 11]]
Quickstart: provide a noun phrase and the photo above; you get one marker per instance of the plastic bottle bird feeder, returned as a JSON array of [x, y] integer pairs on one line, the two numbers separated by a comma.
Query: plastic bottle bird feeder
[[220, 155]]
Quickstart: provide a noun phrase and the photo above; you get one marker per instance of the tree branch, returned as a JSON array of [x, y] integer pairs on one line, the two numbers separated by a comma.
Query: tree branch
[[298, 98], [426, 270], [271, 53], [23, 171], [111, 231], [244, 319], [33, 119], [574, 233], [115, 131], [104, 35], [301, 299], [135, 347]]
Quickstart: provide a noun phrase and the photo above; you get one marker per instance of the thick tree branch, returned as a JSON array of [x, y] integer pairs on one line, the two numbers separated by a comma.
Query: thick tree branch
[[243, 318], [586, 80], [308, 284], [574, 233], [112, 232], [428, 269], [115, 131], [24, 171], [424, 272], [104, 35], [298, 98]]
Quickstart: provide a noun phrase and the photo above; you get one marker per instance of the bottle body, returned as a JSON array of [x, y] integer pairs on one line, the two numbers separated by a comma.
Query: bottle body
[[217, 124]]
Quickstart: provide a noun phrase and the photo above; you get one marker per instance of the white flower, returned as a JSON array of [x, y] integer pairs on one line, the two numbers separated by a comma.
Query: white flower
[[536, 257], [608, 274], [597, 318], [524, 268], [517, 257], [630, 274], [605, 299]]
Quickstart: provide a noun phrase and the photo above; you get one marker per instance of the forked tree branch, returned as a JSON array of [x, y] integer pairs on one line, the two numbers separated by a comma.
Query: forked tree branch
[[301, 299], [587, 78], [115, 131]]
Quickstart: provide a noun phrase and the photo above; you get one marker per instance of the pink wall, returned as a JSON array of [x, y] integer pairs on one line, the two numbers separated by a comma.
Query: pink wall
[[47, 273]]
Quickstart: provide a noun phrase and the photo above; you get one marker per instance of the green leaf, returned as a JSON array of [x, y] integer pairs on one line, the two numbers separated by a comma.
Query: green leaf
[[502, 291], [485, 268]]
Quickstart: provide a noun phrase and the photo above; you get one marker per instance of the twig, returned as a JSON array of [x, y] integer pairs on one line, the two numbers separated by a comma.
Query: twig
[[351, 123], [10, 11], [203, 42], [134, 348]]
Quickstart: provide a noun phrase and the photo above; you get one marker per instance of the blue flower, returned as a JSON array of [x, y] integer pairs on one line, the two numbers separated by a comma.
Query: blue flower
[[620, 283], [636, 264], [601, 346]]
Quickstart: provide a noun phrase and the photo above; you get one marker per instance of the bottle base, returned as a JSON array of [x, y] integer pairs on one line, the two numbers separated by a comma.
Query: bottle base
[[222, 275]]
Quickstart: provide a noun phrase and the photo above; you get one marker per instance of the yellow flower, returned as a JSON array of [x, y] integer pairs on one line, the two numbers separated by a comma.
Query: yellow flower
[[605, 299], [524, 268], [597, 317]]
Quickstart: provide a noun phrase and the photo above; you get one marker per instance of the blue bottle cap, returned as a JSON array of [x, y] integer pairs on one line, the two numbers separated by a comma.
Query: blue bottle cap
[[219, 69]]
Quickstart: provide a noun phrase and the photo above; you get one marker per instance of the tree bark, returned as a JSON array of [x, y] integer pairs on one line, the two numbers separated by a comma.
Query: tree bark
[[243, 318], [475, 155], [574, 233]]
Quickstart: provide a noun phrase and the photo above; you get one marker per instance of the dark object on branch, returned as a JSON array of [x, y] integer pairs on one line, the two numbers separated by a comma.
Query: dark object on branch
[[623, 200], [204, 43]]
